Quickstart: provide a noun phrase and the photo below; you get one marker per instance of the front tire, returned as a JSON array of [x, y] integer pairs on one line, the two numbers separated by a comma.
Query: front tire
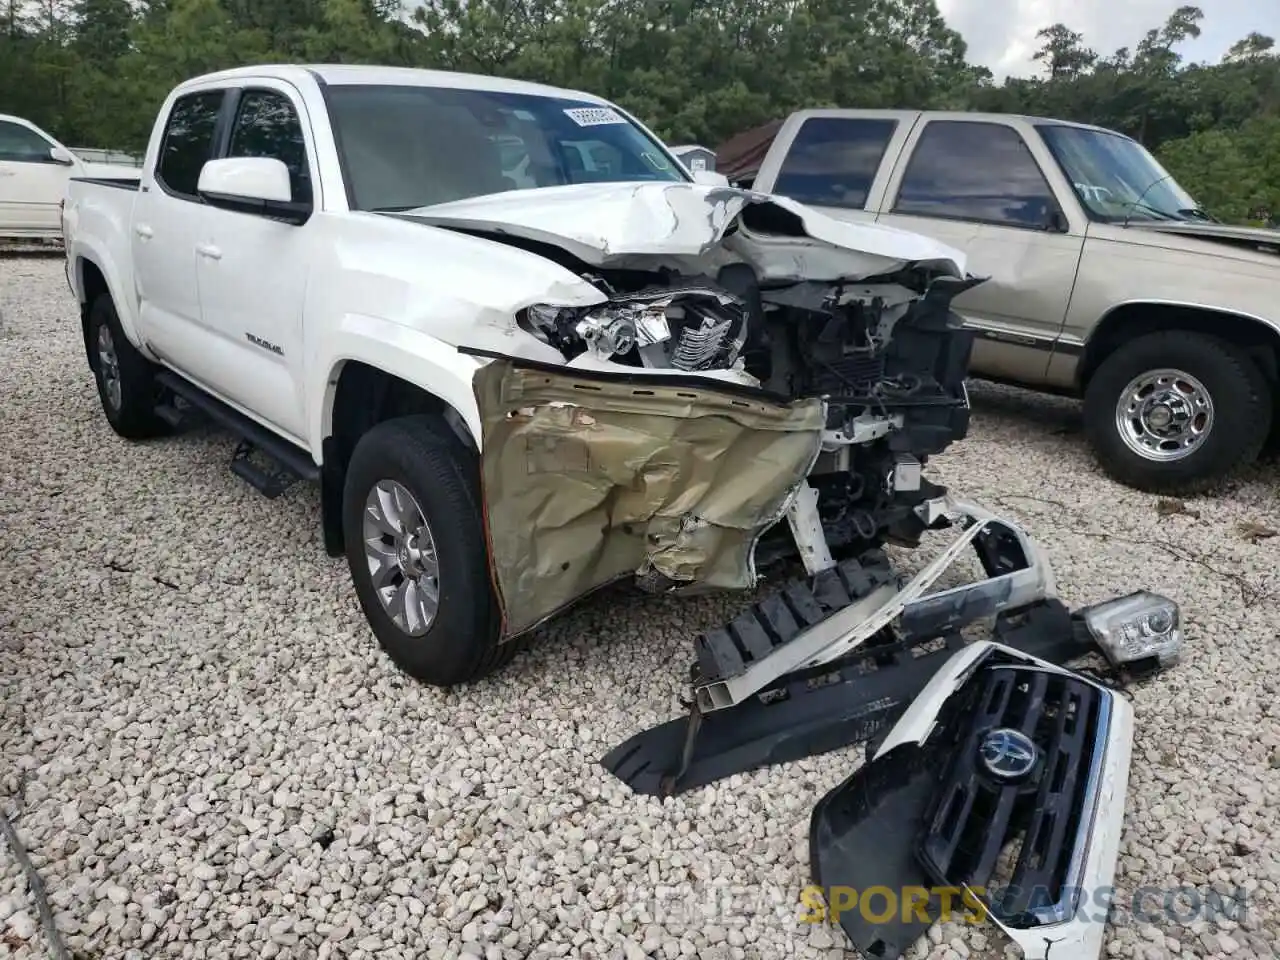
[[1174, 412], [125, 378], [416, 549]]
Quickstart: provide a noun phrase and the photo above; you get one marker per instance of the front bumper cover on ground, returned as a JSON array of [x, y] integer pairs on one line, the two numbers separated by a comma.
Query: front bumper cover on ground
[[936, 817], [877, 647], [815, 712]]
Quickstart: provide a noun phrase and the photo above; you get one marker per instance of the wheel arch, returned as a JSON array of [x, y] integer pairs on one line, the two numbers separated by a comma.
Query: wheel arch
[[94, 272], [362, 394], [90, 283], [1259, 337], [358, 396]]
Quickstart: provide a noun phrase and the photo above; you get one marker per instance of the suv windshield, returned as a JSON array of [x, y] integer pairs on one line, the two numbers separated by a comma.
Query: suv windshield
[[408, 147], [1116, 178]]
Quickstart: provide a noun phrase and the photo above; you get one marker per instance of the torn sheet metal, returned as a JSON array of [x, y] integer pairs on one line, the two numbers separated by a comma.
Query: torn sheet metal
[[588, 479], [642, 225]]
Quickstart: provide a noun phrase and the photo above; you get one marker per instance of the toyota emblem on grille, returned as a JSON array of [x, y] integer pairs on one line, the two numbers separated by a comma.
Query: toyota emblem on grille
[[1008, 754]]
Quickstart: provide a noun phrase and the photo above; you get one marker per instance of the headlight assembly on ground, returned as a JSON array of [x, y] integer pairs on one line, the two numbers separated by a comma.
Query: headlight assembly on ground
[[1138, 627]]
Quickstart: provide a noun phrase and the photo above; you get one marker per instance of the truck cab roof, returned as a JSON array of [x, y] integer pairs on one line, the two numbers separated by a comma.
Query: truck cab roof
[[740, 156], [353, 74], [972, 116]]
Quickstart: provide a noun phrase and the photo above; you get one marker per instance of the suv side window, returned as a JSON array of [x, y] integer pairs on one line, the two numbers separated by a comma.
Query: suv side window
[[833, 161], [267, 125], [21, 144], [188, 142], [977, 171]]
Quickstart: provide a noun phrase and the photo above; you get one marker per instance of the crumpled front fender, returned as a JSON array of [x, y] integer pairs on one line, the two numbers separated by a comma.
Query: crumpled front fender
[[589, 477]]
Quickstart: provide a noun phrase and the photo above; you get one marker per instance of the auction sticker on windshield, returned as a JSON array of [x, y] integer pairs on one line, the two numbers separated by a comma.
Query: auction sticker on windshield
[[594, 116]]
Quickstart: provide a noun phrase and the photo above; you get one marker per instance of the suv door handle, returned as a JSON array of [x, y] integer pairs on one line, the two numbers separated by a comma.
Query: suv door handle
[[143, 231], [209, 251]]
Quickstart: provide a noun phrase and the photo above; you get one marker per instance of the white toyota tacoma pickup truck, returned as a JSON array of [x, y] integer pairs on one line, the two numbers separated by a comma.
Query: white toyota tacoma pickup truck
[[524, 352]]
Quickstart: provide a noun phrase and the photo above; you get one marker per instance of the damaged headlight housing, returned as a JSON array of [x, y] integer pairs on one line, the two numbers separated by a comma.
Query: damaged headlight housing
[[612, 330], [606, 331], [1142, 626], [691, 327]]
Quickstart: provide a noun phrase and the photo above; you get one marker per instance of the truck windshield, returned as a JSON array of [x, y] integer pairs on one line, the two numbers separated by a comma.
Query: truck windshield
[[408, 147], [1115, 177]]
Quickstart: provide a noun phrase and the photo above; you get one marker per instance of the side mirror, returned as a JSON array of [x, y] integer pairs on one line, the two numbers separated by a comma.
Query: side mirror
[[710, 178], [254, 185], [61, 155]]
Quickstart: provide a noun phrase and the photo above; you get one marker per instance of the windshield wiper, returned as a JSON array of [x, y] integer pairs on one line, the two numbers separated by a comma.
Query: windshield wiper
[[1155, 211], [1196, 213], [1138, 204], [392, 209]]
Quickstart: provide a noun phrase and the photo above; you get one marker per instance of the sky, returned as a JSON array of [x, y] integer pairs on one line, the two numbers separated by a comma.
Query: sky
[[1001, 33]]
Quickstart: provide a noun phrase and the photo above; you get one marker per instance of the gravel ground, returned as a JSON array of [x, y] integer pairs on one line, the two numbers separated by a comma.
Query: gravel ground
[[218, 762]]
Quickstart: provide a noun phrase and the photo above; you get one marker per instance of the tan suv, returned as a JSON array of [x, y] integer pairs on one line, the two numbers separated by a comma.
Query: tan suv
[[1106, 280]]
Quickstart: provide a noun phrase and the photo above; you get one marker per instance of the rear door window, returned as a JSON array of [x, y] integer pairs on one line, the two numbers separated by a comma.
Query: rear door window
[[188, 142], [833, 161], [975, 171]]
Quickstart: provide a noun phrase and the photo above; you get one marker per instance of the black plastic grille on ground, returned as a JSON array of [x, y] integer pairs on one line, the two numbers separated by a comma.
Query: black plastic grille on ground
[[813, 711], [779, 618], [975, 818]]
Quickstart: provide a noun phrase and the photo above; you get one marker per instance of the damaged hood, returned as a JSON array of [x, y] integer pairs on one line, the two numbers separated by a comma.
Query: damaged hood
[[633, 224]]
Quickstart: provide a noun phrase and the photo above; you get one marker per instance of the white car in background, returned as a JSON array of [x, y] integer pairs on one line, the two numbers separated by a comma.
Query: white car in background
[[34, 170]]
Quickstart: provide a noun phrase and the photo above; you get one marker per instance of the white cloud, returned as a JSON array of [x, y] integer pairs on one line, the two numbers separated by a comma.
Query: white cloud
[[1001, 34]]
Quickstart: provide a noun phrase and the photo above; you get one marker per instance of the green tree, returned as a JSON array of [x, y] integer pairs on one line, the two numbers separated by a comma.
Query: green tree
[[1235, 174], [1252, 47], [95, 71], [1063, 52]]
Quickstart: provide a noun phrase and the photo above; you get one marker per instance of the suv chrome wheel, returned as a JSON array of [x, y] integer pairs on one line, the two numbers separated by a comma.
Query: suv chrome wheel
[[401, 553], [1164, 415]]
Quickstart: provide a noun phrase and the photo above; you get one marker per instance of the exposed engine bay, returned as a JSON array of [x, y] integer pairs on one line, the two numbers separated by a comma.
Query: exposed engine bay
[[887, 356]]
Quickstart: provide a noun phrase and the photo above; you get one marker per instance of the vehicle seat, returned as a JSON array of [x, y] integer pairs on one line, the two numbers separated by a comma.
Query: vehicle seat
[[574, 166], [408, 163], [465, 162]]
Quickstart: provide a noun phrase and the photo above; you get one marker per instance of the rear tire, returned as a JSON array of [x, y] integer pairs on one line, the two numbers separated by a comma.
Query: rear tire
[[416, 548], [125, 378], [1214, 389]]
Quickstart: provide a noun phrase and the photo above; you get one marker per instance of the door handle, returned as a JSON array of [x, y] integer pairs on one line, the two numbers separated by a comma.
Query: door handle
[[143, 231], [7, 173], [209, 251]]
